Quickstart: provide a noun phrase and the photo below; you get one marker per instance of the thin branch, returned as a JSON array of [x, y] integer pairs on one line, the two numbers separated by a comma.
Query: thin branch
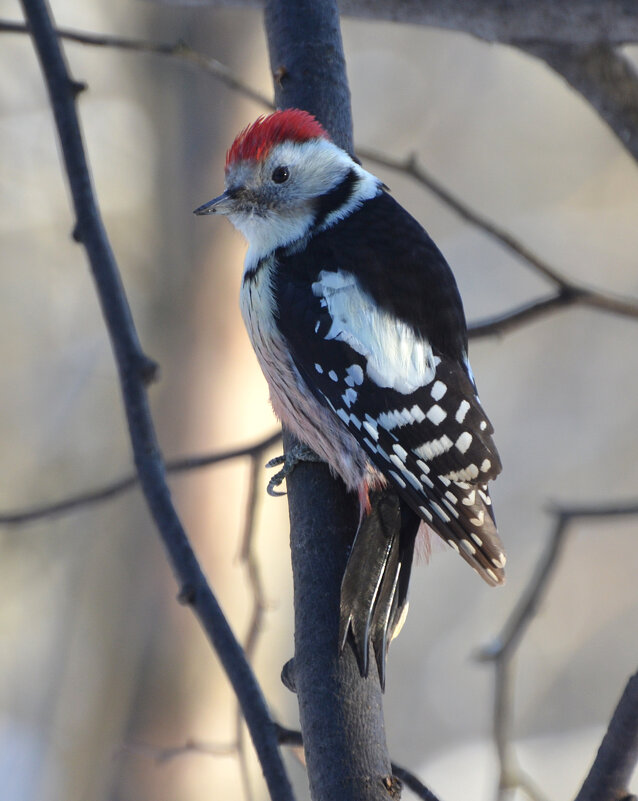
[[135, 371], [502, 649], [163, 755], [121, 485], [179, 50], [527, 313], [413, 783]]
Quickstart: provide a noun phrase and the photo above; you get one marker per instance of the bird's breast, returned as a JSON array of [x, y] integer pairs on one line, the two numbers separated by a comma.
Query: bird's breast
[[291, 398]]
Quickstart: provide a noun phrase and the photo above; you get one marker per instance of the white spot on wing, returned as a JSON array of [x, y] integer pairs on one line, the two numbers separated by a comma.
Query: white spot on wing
[[468, 547], [464, 441], [318, 368], [438, 390], [436, 414], [499, 561], [485, 466], [463, 409], [372, 431], [426, 513], [469, 498], [400, 452], [332, 375], [370, 425], [413, 480], [397, 478], [354, 374], [443, 515]]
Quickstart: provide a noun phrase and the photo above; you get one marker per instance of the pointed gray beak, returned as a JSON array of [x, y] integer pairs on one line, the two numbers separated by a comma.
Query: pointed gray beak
[[218, 205]]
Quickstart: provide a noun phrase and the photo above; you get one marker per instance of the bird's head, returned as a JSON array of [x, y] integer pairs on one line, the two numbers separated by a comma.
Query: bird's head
[[277, 171]]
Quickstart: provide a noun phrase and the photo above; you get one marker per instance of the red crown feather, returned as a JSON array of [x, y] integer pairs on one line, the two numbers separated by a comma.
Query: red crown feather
[[290, 125]]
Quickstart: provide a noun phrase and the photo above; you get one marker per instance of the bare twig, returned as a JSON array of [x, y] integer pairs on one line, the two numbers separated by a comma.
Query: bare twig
[[502, 649], [527, 313], [121, 485], [135, 371], [178, 50], [163, 755]]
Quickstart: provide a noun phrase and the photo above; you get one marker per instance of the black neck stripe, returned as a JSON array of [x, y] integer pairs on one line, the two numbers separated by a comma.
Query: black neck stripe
[[337, 197]]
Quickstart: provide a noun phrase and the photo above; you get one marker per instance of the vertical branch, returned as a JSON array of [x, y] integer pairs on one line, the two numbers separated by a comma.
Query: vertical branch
[[341, 714], [135, 371]]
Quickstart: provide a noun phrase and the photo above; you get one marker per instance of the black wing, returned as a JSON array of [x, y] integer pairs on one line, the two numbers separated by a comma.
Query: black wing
[[413, 406]]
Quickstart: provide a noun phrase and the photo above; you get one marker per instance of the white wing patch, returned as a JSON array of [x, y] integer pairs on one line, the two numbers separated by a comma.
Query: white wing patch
[[396, 356]]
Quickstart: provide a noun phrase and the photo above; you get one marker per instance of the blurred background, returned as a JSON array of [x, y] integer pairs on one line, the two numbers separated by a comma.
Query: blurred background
[[100, 669]]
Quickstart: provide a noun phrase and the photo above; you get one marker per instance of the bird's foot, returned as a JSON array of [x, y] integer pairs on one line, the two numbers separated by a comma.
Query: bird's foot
[[297, 453]]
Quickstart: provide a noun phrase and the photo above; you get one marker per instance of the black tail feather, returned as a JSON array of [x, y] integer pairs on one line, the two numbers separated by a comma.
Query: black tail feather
[[375, 582]]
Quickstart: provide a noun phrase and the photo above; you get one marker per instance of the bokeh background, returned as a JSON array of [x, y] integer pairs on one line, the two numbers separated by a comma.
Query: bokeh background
[[100, 668]]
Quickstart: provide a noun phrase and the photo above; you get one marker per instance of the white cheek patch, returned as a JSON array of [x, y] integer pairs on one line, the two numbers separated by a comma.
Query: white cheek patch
[[396, 356]]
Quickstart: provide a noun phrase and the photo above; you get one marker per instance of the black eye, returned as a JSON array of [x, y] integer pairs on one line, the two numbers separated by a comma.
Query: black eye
[[280, 174]]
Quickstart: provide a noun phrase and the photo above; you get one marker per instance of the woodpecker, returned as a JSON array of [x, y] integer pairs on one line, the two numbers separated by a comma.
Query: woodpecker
[[357, 323]]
